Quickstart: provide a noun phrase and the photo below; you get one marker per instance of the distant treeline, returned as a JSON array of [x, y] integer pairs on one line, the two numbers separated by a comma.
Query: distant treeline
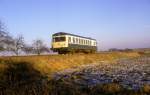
[[17, 45], [139, 50], [121, 50]]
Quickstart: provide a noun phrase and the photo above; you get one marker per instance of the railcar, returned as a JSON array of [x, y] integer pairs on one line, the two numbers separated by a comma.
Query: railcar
[[69, 43]]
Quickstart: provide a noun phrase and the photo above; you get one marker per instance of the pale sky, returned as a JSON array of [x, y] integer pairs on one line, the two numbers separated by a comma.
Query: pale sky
[[113, 23]]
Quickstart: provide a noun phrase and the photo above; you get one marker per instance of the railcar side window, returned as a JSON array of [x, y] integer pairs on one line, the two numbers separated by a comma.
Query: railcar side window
[[69, 39], [76, 40], [59, 39], [81, 41], [86, 42], [90, 42], [95, 43], [73, 40]]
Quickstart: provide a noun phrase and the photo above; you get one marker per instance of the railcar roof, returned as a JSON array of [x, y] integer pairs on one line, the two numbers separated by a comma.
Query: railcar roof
[[64, 33]]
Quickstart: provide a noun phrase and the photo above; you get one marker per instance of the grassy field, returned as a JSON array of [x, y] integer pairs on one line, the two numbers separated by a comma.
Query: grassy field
[[54, 63], [33, 75]]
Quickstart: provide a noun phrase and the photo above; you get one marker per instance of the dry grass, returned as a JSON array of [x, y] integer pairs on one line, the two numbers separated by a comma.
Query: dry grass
[[112, 88], [53, 63], [146, 88], [27, 75]]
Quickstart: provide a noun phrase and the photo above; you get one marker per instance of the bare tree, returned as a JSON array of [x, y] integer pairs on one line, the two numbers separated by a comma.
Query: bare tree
[[18, 45], [39, 47], [28, 49], [1, 26], [1, 47], [2, 35], [6, 41], [2, 29]]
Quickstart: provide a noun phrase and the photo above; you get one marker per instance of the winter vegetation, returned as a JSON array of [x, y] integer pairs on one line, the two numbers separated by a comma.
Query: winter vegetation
[[113, 73]]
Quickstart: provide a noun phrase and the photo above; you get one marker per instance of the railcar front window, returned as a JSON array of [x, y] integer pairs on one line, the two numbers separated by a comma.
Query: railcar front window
[[59, 39]]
